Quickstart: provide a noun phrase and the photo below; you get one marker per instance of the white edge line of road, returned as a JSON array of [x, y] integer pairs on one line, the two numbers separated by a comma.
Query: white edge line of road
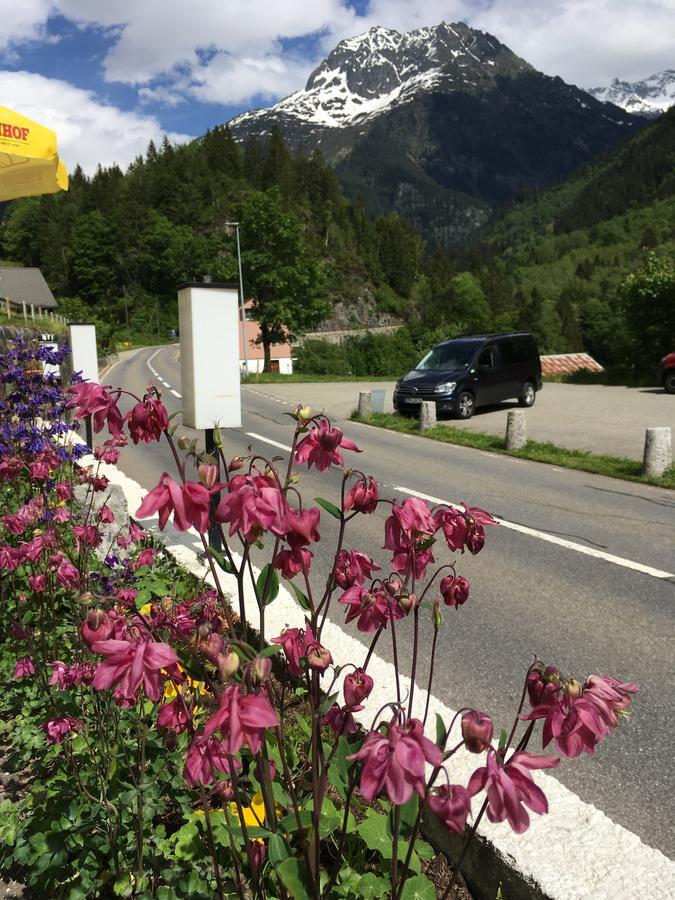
[[522, 529], [575, 852]]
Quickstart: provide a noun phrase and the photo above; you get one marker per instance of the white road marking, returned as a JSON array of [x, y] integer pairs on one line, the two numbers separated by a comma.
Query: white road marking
[[553, 539], [266, 440], [165, 383], [176, 394]]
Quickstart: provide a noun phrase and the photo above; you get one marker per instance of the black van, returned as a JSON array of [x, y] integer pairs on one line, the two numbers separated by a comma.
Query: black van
[[468, 372]]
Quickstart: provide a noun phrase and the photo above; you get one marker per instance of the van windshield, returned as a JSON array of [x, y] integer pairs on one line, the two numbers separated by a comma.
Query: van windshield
[[456, 355]]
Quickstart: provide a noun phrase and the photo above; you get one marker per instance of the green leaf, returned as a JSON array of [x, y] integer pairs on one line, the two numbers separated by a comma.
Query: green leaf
[[327, 703], [503, 737], [224, 564], [294, 877], [441, 732], [268, 584], [329, 507], [300, 597], [277, 850], [374, 832], [372, 886], [270, 650], [424, 850], [418, 888]]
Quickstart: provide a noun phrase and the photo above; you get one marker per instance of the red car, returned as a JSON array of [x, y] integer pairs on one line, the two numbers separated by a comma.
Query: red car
[[667, 373]]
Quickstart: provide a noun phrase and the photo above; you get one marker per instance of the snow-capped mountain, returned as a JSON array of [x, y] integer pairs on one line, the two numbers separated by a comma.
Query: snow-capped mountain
[[365, 75], [441, 124], [649, 97]]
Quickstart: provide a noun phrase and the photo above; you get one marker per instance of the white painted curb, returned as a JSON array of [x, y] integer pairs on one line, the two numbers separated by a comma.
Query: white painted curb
[[575, 852]]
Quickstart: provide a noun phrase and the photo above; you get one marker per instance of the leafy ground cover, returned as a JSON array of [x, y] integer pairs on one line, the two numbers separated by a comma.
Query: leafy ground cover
[[544, 452]]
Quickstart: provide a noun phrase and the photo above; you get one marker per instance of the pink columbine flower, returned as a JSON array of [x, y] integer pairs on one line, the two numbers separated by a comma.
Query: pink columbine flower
[[205, 756], [408, 533], [451, 804], [293, 642], [67, 575], [105, 515], [132, 665], [318, 657], [454, 590], [174, 716], [57, 729], [362, 497], [477, 730], [357, 687], [352, 567], [37, 583], [97, 627], [510, 788], [60, 675], [253, 505], [24, 667], [147, 421], [395, 762], [323, 447], [340, 720], [93, 400], [64, 491], [373, 609], [190, 504], [291, 562], [578, 717], [61, 515], [241, 719]]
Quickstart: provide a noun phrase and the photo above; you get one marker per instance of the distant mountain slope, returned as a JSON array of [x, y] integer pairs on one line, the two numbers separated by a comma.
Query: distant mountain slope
[[649, 97], [441, 124]]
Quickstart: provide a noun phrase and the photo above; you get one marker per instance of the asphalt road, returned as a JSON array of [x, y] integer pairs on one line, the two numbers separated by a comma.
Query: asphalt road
[[533, 590]]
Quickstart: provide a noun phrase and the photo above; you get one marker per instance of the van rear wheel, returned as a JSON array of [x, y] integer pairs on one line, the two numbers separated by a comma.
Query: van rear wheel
[[669, 381], [528, 395]]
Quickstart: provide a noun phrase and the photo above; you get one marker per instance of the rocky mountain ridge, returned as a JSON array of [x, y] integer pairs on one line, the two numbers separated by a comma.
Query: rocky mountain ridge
[[441, 124], [649, 97]]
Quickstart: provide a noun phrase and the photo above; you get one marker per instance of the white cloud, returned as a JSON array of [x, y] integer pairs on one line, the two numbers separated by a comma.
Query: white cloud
[[88, 131], [229, 51]]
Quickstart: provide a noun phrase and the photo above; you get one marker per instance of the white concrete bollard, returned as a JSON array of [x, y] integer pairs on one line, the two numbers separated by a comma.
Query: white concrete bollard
[[658, 452], [365, 403], [427, 414], [516, 430]]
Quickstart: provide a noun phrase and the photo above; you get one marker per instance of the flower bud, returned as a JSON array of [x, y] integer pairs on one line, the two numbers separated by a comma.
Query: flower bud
[[393, 585], [212, 646], [227, 664], [408, 602], [184, 442], [573, 689], [86, 598], [208, 474], [166, 604], [304, 413], [455, 591], [236, 462], [318, 658], [261, 668], [477, 730], [437, 615], [357, 687]]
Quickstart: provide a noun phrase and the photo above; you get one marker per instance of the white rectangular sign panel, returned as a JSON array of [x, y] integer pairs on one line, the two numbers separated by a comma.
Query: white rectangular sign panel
[[83, 349], [208, 319]]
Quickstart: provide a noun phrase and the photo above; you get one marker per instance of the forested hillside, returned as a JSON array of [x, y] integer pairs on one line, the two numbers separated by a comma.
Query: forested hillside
[[117, 244]]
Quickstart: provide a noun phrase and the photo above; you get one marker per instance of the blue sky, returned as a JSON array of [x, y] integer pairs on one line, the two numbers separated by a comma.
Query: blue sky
[[109, 75]]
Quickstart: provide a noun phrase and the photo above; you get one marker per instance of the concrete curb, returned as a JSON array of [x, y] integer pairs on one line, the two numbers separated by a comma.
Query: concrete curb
[[575, 852]]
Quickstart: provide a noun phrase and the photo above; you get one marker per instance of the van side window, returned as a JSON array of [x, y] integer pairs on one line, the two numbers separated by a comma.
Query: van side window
[[488, 358]]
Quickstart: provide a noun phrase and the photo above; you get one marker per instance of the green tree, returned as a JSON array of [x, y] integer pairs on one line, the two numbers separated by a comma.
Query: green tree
[[648, 297], [282, 274], [94, 275]]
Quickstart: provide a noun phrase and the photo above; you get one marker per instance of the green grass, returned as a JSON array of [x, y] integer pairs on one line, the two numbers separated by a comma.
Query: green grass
[[612, 466], [278, 378], [40, 324]]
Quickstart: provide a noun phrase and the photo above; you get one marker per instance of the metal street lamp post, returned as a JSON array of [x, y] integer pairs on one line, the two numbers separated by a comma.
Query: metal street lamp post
[[242, 308]]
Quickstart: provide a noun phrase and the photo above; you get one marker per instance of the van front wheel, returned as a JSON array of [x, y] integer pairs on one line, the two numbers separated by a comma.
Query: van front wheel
[[466, 404], [528, 395]]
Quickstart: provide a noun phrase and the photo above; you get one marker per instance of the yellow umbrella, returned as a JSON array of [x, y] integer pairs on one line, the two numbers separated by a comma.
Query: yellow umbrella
[[29, 163]]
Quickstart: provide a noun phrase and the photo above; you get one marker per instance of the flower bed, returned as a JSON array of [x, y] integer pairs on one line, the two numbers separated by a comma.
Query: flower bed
[[176, 749]]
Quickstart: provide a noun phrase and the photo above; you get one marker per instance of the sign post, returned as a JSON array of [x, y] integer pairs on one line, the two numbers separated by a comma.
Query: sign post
[[82, 339], [208, 320]]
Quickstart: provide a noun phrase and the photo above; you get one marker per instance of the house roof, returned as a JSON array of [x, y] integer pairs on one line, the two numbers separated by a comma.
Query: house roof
[[19, 284], [567, 363]]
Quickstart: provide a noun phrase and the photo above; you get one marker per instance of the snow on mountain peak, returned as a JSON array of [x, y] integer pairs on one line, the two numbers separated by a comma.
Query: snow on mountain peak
[[364, 75], [649, 97]]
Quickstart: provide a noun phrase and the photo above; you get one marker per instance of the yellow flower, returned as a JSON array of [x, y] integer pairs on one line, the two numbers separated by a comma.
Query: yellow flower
[[145, 610], [254, 815]]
